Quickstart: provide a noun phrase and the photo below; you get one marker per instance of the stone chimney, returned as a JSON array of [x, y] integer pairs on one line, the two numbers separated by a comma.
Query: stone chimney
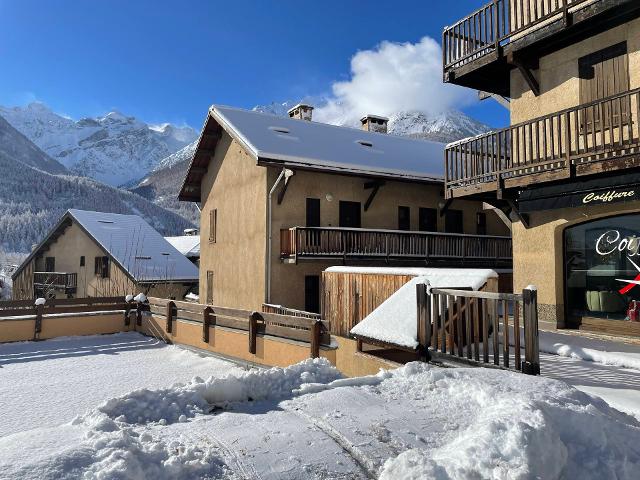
[[301, 111], [374, 123]]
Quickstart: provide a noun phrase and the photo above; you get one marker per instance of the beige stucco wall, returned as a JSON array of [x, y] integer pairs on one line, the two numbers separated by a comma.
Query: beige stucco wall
[[538, 252], [236, 187], [288, 280], [558, 74]]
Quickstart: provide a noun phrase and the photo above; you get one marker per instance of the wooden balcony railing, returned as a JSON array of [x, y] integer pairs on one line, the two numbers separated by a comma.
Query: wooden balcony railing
[[495, 24], [424, 248], [55, 280], [546, 148]]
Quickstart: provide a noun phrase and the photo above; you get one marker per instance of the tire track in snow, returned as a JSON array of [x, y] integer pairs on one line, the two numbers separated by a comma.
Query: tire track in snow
[[248, 472], [359, 458]]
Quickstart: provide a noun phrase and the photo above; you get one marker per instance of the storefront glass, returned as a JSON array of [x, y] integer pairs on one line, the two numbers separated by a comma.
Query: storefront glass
[[601, 257]]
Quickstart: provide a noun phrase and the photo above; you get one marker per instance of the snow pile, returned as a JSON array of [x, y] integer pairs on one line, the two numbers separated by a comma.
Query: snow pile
[[395, 321], [507, 425], [177, 403]]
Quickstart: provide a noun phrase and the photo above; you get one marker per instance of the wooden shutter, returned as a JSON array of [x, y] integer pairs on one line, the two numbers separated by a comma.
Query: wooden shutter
[[404, 218], [213, 225], [603, 74], [209, 287]]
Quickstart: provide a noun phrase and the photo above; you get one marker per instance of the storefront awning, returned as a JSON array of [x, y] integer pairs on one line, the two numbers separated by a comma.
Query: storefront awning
[[596, 191]]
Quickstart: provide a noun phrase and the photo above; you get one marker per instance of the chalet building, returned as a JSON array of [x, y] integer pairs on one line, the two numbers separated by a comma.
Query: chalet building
[[187, 244], [282, 199], [566, 169], [95, 254]]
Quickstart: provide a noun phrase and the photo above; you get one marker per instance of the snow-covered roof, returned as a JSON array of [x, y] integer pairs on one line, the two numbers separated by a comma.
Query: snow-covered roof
[[302, 143], [188, 245], [136, 246], [131, 243]]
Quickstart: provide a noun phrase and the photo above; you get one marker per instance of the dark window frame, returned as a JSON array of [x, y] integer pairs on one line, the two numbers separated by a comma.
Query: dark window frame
[[404, 218]]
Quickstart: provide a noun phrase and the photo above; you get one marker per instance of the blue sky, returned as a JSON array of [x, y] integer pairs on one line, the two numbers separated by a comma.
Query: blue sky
[[168, 61]]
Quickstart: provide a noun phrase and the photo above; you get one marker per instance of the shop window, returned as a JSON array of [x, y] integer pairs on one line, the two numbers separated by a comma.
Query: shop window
[[600, 258], [453, 221], [428, 219], [603, 74], [404, 218]]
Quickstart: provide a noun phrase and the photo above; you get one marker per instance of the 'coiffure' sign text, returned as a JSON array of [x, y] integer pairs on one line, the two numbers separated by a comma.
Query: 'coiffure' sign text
[[608, 197], [611, 241]]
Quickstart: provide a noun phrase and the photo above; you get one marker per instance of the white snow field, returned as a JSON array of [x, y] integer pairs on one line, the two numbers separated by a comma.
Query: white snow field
[[301, 422]]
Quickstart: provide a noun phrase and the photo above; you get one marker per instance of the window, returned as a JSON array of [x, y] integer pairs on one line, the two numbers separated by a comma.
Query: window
[[404, 218], [428, 219], [101, 268], [350, 214], [209, 287], [453, 221], [599, 256], [313, 212], [312, 293], [82, 261], [603, 74], [213, 225], [481, 223], [50, 264]]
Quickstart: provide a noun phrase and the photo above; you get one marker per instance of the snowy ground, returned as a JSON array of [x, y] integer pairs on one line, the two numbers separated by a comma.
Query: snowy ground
[[74, 412]]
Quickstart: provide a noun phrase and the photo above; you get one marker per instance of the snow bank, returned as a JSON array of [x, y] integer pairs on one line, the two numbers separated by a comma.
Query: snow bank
[[177, 403], [507, 425]]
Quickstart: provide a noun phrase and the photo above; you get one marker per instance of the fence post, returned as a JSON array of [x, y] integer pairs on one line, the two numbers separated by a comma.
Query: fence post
[[127, 311], [139, 310], [424, 317], [169, 315], [39, 307], [253, 331], [316, 331], [531, 365], [207, 315]]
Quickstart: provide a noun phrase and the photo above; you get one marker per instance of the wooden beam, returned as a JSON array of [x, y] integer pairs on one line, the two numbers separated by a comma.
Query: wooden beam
[[374, 186], [283, 189], [523, 217], [446, 206], [525, 71], [501, 215]]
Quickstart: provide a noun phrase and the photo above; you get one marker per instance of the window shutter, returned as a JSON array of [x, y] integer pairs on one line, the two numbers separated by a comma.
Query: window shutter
[[213, 220]]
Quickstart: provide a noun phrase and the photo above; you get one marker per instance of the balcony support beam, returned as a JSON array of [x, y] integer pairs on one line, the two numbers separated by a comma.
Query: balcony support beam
[[374, 187], [526, 71], [283, 189], [523, 217], [445, 207]]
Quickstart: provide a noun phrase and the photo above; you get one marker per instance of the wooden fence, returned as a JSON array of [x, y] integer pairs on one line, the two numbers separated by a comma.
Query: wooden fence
[[469, 325], [279, 309], [28, 308], [302, 329]]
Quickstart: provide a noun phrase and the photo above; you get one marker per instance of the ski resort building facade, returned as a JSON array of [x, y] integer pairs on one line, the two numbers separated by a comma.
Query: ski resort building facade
[[95, 254], [566, 169], [282, 199]]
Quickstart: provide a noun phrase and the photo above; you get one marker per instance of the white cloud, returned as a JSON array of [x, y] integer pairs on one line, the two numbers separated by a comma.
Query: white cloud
[[390, 78]]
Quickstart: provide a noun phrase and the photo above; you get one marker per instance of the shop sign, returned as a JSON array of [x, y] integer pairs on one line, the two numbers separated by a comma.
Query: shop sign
[[610, 242], [608, 197]]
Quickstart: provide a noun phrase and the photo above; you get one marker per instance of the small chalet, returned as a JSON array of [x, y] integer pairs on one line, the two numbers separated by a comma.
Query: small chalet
[[282, 199], [95, 254]]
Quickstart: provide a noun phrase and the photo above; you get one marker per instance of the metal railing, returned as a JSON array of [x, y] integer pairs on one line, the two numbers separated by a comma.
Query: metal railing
[[495, 24], [594, 132], [55, 280], [356, 243]]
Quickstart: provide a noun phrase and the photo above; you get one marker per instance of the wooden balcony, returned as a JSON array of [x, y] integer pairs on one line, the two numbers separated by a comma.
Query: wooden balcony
[[480, 50], [586, 140], [393, 246], [67, 282]]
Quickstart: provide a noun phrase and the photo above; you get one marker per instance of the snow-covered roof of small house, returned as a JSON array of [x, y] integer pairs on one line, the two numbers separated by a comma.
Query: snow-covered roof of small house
[[188, 245], [130, 242], [293, 143]]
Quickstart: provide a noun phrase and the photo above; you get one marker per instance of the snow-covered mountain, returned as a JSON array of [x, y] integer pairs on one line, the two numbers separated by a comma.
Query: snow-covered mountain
[[181, 155], [443, 127], [113, 149], [35, 190]]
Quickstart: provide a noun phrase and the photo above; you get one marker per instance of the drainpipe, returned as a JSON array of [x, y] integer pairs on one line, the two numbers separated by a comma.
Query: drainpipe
[[286, 174]]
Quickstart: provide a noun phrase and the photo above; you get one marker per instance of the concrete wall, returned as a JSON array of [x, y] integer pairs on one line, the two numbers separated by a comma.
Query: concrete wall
[[288, 279], [558, 74], [236, 187], [538, 252]]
